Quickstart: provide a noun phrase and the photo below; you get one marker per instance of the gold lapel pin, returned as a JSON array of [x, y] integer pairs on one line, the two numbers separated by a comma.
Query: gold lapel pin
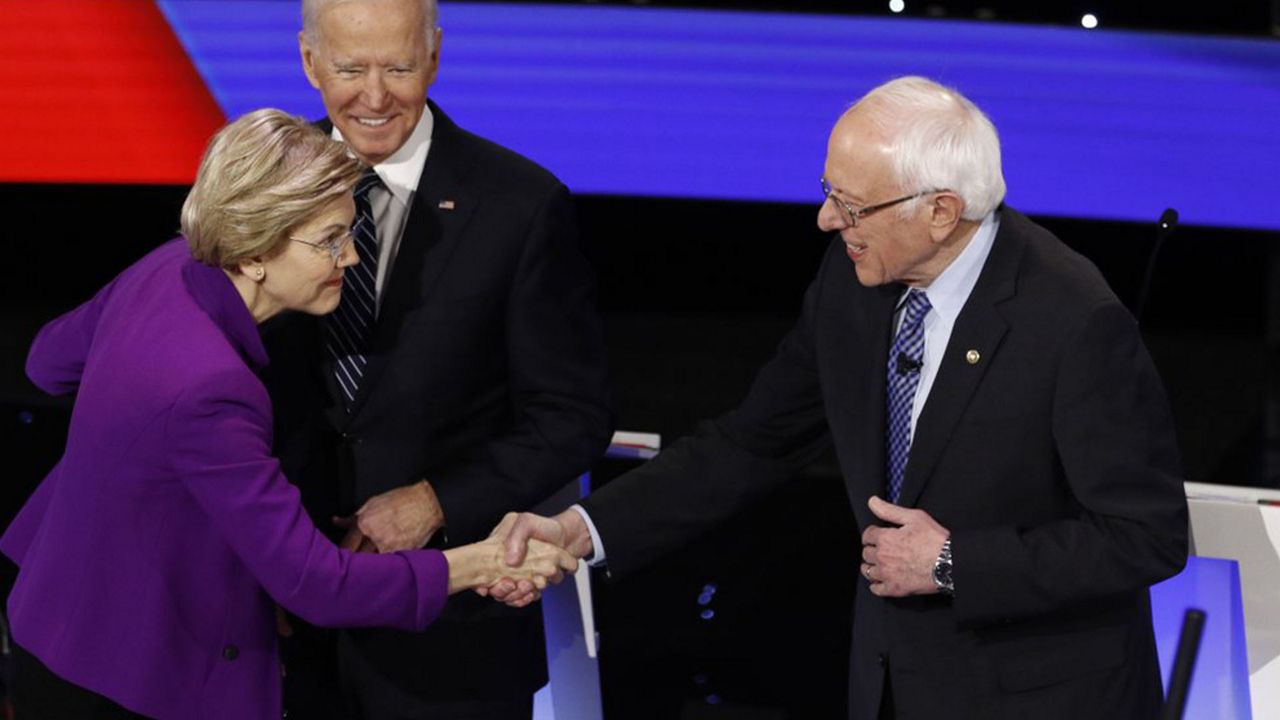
[[972, 357], [446, 205]]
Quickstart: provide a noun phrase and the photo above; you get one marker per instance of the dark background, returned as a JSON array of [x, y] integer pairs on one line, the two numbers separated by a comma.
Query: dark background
[[753, 621]]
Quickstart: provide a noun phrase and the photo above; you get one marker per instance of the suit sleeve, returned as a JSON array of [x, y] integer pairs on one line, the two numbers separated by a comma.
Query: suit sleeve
[[55, 364], [725, 466], [1114, 435], [219, 445], [558, 382], [58, 354]]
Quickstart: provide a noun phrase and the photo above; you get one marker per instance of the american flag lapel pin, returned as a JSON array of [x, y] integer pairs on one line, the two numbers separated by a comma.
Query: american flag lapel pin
[[446, 205]]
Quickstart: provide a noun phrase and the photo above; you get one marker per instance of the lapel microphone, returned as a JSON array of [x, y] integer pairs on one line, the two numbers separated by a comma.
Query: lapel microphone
[[907, 364]]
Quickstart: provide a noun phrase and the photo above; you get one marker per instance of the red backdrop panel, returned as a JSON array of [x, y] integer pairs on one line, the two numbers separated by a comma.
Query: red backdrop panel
[[98, 91]]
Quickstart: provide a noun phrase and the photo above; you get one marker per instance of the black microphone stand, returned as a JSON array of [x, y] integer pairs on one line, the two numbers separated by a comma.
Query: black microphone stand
[[1183, 663], [1168, 223]]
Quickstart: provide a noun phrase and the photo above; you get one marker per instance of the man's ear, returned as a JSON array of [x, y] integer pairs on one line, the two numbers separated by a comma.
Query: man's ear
[[946, 210], [434, 60], [308, 60]]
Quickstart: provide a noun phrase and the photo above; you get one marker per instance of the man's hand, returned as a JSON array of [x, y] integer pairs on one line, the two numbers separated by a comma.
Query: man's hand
[[898, 561], [401, 519], [567, 530], [354, 540]]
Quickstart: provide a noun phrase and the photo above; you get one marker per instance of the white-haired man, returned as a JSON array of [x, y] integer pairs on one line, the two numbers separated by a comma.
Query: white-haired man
[[1004, 439], [461, 377]]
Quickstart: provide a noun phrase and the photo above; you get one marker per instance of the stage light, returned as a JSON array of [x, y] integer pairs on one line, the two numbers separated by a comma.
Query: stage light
[[897, 6], [1089, 21]]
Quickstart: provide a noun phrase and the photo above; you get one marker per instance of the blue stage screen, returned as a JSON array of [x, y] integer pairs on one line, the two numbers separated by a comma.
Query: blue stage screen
[[736, 105]]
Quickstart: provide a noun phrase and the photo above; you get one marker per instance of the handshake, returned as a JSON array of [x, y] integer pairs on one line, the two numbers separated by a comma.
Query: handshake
[[527, 538], [522, 555]]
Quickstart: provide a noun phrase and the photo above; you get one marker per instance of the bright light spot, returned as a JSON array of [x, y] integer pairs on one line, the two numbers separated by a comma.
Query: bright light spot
[[897, 6], [1089, 21]]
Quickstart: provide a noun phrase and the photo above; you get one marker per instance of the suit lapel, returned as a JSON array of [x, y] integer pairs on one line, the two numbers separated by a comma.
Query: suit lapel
[[438, 215], [857, 344], [978, 329]]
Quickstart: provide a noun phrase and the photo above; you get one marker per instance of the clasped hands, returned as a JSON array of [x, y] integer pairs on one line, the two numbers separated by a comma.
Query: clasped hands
[[520, 534], [406, 518], [897, 557]]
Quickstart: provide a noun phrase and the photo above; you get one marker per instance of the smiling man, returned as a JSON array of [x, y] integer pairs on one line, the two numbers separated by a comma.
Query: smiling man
[[1004, 439], [462, 375], [372, 63]]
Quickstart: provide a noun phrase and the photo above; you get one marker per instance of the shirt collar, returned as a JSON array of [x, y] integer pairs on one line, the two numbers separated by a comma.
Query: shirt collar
[[217, 296], [401, 172], [949, 291]]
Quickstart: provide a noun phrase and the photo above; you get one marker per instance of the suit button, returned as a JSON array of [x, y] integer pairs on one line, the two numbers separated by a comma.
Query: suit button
[[881, 659], [231, 652]]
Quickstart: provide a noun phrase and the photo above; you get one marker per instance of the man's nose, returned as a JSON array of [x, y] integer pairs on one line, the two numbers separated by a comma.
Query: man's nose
[[375, 89], [830, 219]]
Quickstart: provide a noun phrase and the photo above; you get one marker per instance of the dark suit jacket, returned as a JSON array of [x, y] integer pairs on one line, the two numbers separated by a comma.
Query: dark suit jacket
[[1051, 459], [486, 377]]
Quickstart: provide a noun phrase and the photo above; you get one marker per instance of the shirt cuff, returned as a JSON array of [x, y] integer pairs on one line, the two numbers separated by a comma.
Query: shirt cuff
[[597, 547]]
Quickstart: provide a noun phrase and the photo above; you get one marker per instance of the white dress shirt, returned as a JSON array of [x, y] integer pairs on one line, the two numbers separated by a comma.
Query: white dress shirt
[[400, 174], [947, 295]]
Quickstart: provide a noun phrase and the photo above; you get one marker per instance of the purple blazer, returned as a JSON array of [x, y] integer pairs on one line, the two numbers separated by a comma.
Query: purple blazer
[[151, 556]]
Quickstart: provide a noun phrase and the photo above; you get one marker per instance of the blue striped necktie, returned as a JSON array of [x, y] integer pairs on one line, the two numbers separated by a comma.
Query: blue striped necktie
[[905, 361], [351, 325]]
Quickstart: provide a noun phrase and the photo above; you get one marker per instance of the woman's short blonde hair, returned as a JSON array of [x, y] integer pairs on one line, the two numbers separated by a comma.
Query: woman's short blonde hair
[[261, 176]]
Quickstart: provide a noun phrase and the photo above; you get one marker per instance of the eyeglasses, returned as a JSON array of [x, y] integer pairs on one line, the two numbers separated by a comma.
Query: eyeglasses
[[853, 215], [333, 244]]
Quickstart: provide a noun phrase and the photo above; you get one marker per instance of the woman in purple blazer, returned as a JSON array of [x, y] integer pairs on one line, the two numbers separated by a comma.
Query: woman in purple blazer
[[152, 557]]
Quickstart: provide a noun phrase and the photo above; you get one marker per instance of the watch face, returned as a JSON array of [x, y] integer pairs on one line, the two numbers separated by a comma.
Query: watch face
[[942, 573]]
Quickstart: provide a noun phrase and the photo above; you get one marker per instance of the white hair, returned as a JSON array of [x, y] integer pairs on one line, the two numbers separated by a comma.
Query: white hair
[[939, 140], [311, 10]]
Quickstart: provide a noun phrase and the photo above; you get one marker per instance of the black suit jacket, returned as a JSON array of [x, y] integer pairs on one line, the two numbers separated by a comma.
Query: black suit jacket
[[1052, 460], [486, 377]]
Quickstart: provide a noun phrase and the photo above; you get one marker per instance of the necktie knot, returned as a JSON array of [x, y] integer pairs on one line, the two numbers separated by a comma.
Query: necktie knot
[[916, 307], [367, 182]]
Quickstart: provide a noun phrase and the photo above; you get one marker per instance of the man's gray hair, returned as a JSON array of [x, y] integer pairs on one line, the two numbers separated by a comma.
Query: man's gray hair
[[311, 10], [939, 140]]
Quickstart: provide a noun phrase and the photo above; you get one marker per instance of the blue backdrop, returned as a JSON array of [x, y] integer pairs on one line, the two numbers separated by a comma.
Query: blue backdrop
[[737, 105]]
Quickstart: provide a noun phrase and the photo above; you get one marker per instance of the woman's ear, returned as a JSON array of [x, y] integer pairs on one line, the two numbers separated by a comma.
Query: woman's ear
[[253, 269]]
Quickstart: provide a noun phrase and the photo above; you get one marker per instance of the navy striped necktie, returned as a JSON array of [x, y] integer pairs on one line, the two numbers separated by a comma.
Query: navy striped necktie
[[351, 326], [905, 361]]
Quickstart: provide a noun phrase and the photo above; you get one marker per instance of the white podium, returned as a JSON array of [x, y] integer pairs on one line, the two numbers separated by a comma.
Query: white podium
[[1243, 524], [573, 692], [573, 689]]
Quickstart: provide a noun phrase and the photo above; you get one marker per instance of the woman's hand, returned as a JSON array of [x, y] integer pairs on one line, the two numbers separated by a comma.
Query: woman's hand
[[483, 564]]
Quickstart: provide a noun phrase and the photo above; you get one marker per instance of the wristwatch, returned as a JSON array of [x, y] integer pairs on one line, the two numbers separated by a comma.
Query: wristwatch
[[942, 570]]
